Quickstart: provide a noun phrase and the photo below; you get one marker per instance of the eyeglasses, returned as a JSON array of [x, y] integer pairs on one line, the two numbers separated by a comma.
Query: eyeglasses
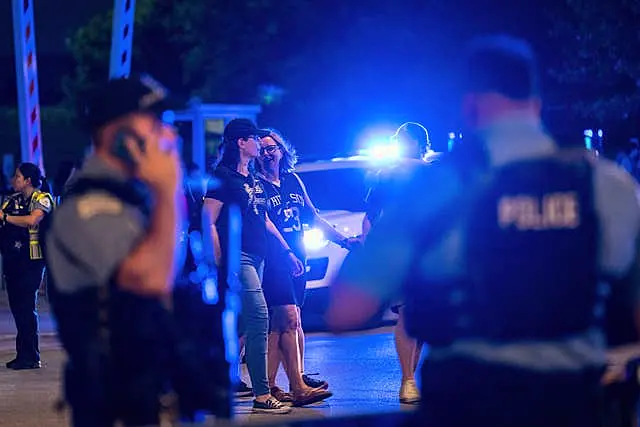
[[269, 149]]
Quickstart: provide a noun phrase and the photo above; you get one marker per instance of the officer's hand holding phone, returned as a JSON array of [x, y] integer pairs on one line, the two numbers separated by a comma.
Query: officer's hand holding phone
[[156, 161]]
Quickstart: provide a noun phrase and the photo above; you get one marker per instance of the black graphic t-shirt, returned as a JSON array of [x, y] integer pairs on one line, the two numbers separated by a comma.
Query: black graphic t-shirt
[[247, 193], [288, 211]]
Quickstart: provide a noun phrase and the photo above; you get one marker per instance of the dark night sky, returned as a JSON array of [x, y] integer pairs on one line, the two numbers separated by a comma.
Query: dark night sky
[[350, 84], [54, 20]]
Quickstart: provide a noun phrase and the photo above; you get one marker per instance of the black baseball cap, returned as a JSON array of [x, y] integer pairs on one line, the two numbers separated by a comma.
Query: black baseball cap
[[120, 97], [502, 64], [242, 128]]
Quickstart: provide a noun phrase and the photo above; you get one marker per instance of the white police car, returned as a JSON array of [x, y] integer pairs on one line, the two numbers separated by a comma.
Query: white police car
[[338, 189]]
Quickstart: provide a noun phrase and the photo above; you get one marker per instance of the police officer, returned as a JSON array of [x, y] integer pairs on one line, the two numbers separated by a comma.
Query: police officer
[[23, 263], [111, 249], [415, 148], [502, 266]]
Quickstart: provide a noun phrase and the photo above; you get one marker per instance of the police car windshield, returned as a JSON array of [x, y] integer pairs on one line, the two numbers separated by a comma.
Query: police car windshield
[[337, 189]]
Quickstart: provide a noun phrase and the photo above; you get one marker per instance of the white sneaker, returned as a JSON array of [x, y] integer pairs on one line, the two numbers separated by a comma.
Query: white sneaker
[[409, 393], [271, 406]]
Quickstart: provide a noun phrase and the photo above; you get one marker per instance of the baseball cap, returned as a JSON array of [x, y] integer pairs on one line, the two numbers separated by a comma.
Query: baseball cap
[[119, 97], [242, 128], [502, 64]]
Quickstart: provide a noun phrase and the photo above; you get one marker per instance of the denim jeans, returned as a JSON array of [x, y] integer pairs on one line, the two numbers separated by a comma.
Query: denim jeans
[[255, 317]]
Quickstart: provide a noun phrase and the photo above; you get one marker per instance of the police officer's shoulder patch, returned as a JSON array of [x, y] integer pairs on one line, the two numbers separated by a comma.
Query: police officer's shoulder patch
[[98, 204], [45, 202]]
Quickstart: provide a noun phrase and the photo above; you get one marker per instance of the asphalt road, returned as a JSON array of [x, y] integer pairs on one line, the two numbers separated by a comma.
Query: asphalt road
[[361, 368]]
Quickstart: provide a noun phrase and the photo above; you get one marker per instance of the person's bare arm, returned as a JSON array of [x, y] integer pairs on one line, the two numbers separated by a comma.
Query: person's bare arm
[[24, 221], [149, 268], [212, 209]]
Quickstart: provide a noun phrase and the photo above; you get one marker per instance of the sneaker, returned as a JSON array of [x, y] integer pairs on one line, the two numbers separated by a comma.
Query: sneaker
[[271, 406], [409, 393], [313, 383], [281, 395], [243, 390]]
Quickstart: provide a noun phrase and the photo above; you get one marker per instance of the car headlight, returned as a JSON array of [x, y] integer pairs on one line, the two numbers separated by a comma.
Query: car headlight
[[314, 239]]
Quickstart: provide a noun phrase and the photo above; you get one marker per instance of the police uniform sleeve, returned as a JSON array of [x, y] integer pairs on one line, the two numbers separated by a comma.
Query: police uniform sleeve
[[97, 233], [618, 207], [388, 256], [44, 203]]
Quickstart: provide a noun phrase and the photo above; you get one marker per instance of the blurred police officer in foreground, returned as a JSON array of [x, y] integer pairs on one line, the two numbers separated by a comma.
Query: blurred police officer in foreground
[[503, 265], [23, 263], [111, 249], [412, 139]]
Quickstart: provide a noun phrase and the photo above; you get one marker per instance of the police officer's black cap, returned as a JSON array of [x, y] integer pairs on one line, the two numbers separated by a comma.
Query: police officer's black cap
[[120, 97], [501, 64], [242, 129]]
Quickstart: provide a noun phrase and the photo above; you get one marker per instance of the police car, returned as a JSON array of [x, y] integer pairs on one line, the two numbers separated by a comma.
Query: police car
[[338, 188]]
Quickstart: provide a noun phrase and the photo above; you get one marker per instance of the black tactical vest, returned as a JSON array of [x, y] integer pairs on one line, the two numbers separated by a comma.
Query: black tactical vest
[[118, 343], [531, 246], [134, 347]]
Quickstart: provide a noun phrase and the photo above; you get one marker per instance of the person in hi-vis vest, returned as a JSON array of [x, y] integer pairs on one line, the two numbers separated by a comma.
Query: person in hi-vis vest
[[22, 260]]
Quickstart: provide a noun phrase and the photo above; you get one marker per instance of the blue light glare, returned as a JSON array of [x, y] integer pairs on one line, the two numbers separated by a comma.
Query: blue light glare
[[588, 133], [314, 239], [600, 133], [385, 151], [169, 117], [210, 291]]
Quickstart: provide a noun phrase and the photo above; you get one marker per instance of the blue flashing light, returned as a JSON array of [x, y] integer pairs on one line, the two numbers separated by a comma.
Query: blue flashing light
[[169, 117], [210, 291], [385, 151]]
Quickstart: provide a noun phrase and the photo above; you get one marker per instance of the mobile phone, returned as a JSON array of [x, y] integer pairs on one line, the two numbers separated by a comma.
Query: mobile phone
[[119, 148]]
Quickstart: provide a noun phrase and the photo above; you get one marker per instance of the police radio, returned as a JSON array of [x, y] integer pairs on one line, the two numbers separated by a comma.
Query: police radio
[[119, 148]]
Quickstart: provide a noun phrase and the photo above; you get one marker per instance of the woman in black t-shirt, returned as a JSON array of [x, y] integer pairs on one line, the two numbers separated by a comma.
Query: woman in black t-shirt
[[289, 206], [239, 187]]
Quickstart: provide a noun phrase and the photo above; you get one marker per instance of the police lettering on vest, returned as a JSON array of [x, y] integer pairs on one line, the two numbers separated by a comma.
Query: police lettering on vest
[[551, 211]]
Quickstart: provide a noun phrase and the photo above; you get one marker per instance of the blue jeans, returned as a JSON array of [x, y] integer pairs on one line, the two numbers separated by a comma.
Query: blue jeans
[[255, 317]]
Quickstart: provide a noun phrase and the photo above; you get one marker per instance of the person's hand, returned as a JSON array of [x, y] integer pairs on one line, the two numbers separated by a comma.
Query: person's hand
[[615, 373], [351, 243], [3, 216], [157, 167], [297, 267]]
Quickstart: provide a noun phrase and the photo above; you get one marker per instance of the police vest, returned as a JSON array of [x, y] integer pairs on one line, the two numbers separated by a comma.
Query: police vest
[[115, 340], [531, 246], [108, 332], [16, 241]]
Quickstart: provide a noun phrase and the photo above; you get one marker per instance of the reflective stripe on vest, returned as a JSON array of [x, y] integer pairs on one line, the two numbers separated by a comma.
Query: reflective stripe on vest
[[35, 249]]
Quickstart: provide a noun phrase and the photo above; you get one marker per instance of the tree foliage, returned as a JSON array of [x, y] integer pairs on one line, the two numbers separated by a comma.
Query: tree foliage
[[219, 50], [599, 43]]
